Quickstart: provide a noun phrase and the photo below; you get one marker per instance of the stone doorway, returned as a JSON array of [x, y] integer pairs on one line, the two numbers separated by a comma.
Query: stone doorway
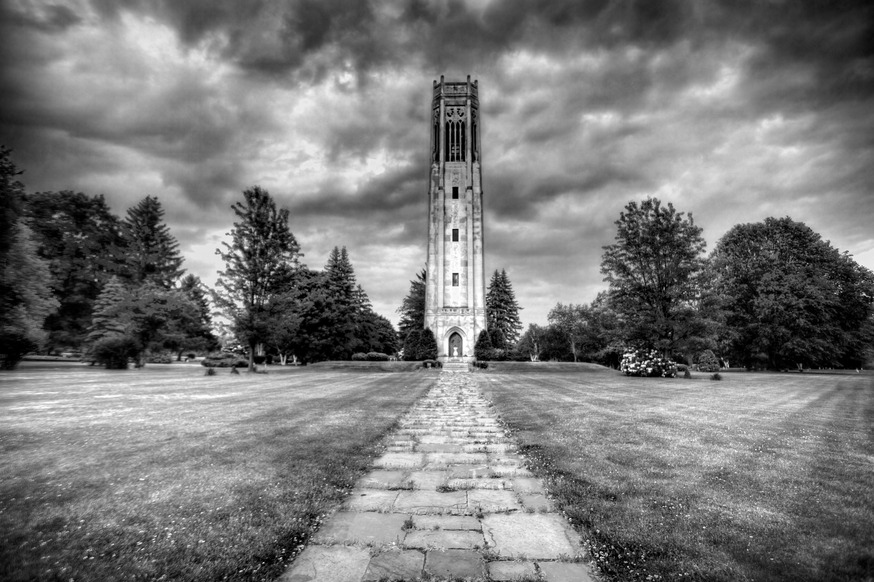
[[456, 345]]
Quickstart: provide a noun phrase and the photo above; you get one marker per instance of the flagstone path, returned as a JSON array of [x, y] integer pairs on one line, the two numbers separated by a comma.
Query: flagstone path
[[449, 499]]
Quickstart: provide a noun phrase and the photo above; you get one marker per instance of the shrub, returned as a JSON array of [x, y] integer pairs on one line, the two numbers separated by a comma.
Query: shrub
[[210, 372], [359, 357], [159, 359], [708, 362], [647, 363], [376, 357], [225, 360], [482, 365], [114, 351], [716, 376], [13, 346]]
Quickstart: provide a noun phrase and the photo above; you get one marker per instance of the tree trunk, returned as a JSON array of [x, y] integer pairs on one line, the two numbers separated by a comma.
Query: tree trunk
[[252, 356]]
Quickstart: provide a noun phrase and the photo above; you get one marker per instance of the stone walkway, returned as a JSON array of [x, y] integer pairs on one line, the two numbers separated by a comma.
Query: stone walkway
[[449, 499]]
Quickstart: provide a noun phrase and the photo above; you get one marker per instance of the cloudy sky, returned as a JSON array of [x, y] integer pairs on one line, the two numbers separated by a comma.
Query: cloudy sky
[[731, 110]]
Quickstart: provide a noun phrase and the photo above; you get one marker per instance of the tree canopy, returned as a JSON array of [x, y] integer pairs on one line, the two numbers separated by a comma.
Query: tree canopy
[[790, 297], [653, 270], [150, 252], [260, 262]]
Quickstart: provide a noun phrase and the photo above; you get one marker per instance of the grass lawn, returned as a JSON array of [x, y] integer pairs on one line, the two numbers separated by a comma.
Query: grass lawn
[[757, 477], [165, 473]]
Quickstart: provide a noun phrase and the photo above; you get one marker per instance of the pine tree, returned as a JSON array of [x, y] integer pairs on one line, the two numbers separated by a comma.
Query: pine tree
[[151, 253], [502, 311], [198, 335], [411, 345], [412, 310], [346, 304], [259, 265], [427, 345], [483, 348]]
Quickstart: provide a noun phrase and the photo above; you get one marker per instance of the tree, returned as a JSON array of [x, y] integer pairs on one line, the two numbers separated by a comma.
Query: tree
[[141, 319], [530, 344], [77, 235], [196, 333], [260, 263], [151, 253], [27, 299], [483, 348], [427, 345], [25, 295], [653, 270], [412, 309], [790, 297], [502, 311], [411, 345], [572, 322]]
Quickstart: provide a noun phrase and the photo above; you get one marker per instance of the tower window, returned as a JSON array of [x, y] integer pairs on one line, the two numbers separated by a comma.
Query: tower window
[[455, 192], [455, 279], [454, 235]]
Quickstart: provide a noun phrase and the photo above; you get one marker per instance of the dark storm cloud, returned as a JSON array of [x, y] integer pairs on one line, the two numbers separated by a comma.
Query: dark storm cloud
[[734, 109]]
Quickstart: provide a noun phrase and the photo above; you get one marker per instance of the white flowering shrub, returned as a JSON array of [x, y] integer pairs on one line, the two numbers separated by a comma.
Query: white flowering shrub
[[647, 363]]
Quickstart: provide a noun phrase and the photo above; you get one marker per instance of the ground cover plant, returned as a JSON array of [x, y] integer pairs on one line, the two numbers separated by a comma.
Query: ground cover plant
[[763, 477], [164, 473]]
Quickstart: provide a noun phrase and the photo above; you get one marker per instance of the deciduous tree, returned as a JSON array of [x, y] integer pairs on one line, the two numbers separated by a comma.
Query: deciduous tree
[[653, 270], [77, 235], [790, 297], [260, 261]]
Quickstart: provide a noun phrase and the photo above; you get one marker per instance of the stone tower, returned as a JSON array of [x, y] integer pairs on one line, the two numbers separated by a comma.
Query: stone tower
[[455, 292]]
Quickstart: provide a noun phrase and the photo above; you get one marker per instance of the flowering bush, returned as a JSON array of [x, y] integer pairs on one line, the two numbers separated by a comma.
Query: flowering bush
[[647, 363]]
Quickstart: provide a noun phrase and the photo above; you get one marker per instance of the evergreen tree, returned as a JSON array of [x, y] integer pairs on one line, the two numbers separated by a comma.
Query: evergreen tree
[[151, 253], [25, 294], [412, 309], [259, 266], [198, 335], [411, 345], [502, 311], [77, 235], [427, 345], [483, 348], [346, 305]]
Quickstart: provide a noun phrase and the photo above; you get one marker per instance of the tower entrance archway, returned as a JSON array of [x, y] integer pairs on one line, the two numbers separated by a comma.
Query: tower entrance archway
[[456, 345]]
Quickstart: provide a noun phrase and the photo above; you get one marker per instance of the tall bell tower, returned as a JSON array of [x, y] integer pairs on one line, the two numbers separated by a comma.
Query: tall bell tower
[[455, 291]]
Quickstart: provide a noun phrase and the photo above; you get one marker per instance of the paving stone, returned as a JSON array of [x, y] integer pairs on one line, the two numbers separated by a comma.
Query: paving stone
[[476, 483], [529, 535], [370, 500], [432, 502], [454, 563], [468, 471], [447, 522], [427, 480], [350, 527], [400, 461], [565, 572], [444, 459], [395, 565], [444, 538], [380, 479], [328, 564], [489, 501], [511, 571], [537, 503]]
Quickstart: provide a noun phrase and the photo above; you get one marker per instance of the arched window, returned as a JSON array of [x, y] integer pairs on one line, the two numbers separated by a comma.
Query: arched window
[[455, 137]]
